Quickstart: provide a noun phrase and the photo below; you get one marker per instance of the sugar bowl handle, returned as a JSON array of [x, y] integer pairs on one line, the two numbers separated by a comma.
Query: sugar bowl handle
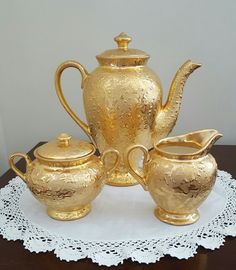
[[140, 178], [84, 74], [117, 160], [13, 166]]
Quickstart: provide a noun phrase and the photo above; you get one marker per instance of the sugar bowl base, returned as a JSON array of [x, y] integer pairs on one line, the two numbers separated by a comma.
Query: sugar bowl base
[[69, 215], [176, 219]]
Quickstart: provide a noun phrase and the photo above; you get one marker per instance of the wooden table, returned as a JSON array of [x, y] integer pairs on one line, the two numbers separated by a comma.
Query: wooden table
[[14, 256]]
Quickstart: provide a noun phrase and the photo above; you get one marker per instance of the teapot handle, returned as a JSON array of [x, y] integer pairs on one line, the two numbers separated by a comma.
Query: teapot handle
[[117, 161], [141, 179], [84, 74], [13, 166]]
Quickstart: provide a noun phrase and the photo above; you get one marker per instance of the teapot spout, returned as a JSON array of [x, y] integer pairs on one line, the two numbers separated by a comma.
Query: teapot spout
[[167, 116]]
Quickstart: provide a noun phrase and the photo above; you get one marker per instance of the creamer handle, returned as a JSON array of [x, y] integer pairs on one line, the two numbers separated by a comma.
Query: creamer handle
[[84, 74], [141, 179], [117, 161], [13, 166]]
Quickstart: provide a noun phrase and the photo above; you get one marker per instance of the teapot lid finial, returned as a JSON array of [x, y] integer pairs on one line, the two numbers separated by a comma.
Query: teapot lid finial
[[122, 41]]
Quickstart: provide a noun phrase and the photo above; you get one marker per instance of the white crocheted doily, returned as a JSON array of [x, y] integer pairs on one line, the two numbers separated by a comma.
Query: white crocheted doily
[[121, 225]]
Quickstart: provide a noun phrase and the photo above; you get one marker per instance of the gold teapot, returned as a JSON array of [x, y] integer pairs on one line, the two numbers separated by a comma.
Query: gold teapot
[[179, 173], [66, 176], [123, 102]]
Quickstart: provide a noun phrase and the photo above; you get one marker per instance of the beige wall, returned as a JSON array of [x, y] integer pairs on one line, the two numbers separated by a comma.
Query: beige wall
[[38, 35]]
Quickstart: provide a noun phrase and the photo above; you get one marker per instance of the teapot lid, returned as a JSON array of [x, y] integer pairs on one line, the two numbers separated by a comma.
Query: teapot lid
[[123, 56], [64, 149]]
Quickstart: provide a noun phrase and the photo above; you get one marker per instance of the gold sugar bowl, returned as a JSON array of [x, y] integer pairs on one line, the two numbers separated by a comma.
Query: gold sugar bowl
[[179, 173], [66, 175]]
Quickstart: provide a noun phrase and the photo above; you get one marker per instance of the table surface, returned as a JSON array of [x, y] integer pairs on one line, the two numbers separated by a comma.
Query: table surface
[[14, 256]]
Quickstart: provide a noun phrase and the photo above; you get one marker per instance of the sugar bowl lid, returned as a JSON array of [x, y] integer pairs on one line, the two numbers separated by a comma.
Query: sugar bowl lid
[[123, 56], [64, 149]]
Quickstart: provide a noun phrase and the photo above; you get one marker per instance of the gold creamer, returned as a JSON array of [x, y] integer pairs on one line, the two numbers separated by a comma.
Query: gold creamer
[[179, 173]]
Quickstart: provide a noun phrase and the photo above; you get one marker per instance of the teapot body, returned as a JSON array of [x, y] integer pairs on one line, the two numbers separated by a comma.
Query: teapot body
[[121, 105], [67, 192]]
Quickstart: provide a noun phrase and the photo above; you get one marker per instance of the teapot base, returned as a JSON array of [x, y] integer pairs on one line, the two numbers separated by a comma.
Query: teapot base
[[176, 219], [121, 179], [69, 215]]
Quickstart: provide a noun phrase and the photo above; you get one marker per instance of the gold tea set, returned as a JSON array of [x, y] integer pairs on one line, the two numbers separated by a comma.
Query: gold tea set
[[125, 112]]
